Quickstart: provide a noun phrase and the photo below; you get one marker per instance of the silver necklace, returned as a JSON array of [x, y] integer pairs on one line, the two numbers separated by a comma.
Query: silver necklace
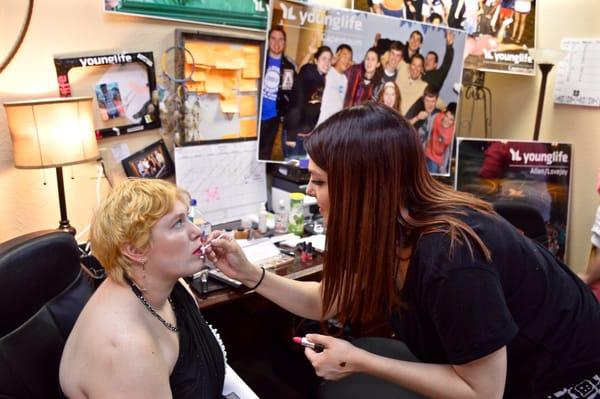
[[150, 309]]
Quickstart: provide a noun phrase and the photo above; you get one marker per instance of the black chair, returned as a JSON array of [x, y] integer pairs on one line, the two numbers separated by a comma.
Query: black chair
[[42, 292], [524, 217]]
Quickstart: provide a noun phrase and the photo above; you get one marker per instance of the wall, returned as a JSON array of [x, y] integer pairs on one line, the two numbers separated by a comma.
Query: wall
[[514, 107], [74, 26]]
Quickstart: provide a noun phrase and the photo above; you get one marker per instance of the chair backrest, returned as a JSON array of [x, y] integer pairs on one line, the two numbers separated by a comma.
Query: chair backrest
[[42, 292], [524, 217]]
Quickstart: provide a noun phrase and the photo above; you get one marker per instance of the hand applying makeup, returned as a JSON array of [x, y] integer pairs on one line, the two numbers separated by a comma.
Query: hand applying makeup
[[337, 361], [225, 253]]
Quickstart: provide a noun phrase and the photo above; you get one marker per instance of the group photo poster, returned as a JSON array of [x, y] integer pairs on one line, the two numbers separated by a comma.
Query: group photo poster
[[520, 174], [500, 32], [321, 59]]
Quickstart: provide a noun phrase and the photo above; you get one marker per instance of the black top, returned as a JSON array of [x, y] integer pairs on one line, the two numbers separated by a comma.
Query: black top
[[305, 104], [462, 308], [200, 369]]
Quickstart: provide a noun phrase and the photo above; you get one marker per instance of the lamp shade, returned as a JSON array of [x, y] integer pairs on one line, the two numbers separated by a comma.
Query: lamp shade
[[547, 55], [52, 132]]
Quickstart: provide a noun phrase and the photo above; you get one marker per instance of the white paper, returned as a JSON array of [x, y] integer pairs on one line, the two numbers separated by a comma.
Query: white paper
[[578, 74], [234, 384]]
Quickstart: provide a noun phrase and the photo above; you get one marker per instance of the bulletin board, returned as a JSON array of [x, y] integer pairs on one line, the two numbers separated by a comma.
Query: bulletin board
[[222, 76]]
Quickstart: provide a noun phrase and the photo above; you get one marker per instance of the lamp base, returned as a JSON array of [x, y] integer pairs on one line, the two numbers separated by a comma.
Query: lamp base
[[65, 226]]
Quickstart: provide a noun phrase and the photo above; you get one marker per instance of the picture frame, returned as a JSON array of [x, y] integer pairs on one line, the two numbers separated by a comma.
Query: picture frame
[[246, 14], [535, 174], [121, 84], [222, 78], [153, 161]]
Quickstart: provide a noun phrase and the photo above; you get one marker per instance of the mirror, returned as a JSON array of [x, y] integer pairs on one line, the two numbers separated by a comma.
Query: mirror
[[14, 22]]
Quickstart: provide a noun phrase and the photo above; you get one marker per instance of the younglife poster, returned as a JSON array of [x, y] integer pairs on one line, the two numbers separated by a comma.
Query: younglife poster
[[500, 31], [337, 58], [528, 172]]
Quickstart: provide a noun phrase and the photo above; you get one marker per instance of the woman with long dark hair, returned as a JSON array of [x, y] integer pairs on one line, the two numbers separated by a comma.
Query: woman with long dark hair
[[488, 312]]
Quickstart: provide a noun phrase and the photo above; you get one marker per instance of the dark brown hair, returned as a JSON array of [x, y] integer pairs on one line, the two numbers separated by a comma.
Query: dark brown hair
[[381, 199]]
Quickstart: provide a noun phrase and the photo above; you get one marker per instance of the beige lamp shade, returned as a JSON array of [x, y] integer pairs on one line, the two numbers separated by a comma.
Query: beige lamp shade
[[52, 132]]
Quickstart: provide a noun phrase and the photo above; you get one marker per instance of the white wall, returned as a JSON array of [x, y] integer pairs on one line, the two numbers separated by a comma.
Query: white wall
[[75, 26]]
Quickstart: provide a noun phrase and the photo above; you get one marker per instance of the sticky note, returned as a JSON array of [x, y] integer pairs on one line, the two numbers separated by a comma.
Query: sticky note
[[248, 127], [247, 106]]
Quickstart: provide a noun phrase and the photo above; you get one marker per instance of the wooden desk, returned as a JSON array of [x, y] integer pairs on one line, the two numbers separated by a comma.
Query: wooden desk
[[258, 336], [294, 269]]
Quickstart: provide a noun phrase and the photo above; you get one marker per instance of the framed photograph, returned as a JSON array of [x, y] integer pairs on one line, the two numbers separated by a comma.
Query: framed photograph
[[152, 161], [121, 85], [250, 14], [500, 32], [222, 80]]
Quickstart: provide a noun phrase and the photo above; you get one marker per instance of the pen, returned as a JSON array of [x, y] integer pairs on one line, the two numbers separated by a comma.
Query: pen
[[305, 342], [206, 246]]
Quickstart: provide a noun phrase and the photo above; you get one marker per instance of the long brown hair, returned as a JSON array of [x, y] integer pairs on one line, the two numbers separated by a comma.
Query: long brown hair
[[381, 199]]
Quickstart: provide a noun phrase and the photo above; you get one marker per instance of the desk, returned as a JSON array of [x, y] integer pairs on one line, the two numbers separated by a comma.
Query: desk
[[294, 269], [258, 335]]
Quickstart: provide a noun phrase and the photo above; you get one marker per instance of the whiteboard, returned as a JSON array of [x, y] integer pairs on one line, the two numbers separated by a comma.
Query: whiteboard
[[225, 179]]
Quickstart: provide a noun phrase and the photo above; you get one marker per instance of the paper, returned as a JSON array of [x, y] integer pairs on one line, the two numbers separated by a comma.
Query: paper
[[247, 106], [248, 84], [252, 61], [198, 87], [234, 384], [230, 59], [317, 241], [120, 151], [259, 249], [214, 82], [578, 74], [230, 105], [225, 179], [202, 53], [248, 127]]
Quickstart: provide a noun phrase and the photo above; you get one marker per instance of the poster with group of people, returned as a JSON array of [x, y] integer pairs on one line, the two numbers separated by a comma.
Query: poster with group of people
[[520, 174], [500, 32], [321, 59]]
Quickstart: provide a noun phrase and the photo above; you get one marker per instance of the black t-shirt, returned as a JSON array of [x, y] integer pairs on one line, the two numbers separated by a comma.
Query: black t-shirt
[[461, 308]]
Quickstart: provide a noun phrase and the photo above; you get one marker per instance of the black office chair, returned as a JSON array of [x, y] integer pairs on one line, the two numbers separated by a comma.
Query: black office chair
[[524, 217], [42, 292]]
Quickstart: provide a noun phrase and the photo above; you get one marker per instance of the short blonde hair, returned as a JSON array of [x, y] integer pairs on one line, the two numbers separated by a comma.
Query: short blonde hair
[[126, 216]]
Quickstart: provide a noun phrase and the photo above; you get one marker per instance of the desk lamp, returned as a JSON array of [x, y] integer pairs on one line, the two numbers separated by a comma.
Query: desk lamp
[[545, 58], [52, 133]]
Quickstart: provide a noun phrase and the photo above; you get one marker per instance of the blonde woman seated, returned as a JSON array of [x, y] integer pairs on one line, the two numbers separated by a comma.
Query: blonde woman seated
[[141, 334], [390, 96]]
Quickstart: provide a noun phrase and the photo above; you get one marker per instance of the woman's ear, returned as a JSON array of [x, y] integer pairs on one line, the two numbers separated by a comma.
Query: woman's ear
[[133, 253]]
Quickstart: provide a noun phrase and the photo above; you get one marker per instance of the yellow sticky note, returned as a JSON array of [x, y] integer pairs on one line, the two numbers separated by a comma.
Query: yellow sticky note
[[198, 87], [230, 59], [247, 106], [213, 82], [202, 52], [197, 74], [230, 105], [229, 136], [248, 84], [251, 56], [248, 127]]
